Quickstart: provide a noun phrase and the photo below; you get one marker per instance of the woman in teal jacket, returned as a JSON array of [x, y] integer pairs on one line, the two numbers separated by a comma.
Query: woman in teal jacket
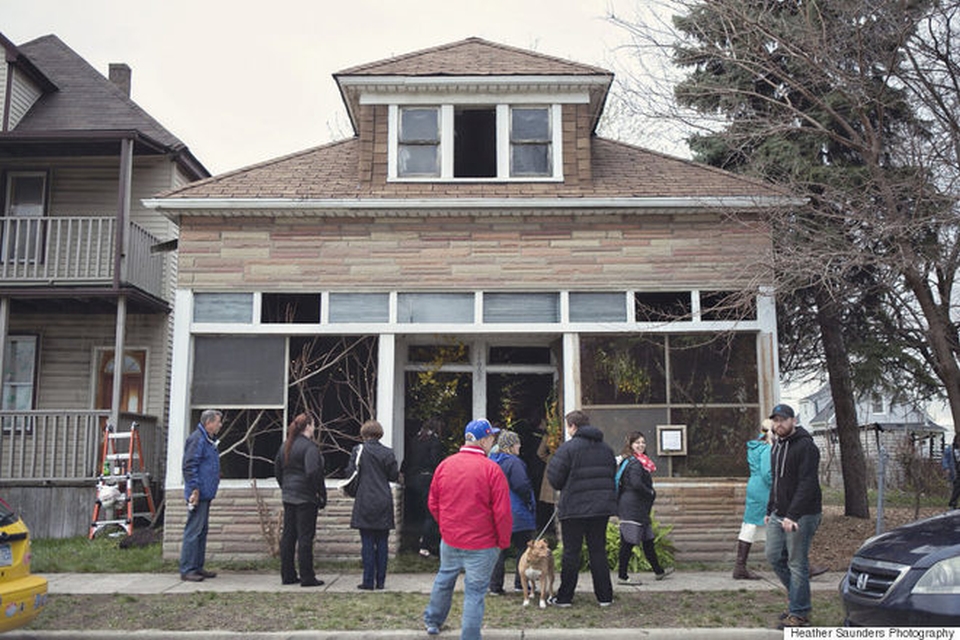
[[758, 493]]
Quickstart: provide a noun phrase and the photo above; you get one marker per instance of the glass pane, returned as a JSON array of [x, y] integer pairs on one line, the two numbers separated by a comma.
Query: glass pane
[[435, 307], [598, 307], [519, 355], [223, 307], [521, 307], [419, 125], [712, 434], [418, 160], [26, 195], [530, 124], [727, 305], [623, 370], [238, 371], [663, 306], [705, 369], [359, 307], [290, 308], [530, 160]]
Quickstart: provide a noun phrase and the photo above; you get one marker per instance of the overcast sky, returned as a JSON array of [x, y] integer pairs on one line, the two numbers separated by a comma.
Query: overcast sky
[[241, 82]]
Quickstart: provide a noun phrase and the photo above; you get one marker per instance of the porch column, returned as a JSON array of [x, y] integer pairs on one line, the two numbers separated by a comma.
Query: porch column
[[768, 361], [4, 330], [181, 367], [118, 356], [123, 212], [571, 374], [386, 384]]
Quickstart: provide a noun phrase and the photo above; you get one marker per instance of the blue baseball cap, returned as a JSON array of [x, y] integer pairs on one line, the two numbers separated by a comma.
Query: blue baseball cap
[[477, 429]]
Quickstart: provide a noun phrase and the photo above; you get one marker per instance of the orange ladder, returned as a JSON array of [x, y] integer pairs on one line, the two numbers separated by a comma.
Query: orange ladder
[[125, 471]]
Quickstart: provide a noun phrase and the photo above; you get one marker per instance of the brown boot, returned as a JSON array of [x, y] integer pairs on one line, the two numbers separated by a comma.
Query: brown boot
[[740, 571]]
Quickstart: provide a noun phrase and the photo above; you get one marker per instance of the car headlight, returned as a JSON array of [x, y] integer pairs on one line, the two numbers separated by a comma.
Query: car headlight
[[943, 577]]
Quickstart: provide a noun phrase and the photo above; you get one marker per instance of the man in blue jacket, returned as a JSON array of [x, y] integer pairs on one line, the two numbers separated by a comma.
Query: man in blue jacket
[[201, 478]]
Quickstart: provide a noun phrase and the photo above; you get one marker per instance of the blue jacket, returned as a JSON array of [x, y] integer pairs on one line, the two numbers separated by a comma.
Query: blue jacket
[[949, 462], [758, 486], [523, 504], [201, 465]]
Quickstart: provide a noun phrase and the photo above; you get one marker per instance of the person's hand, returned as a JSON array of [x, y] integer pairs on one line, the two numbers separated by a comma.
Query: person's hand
[[789, 525], [194, 497]]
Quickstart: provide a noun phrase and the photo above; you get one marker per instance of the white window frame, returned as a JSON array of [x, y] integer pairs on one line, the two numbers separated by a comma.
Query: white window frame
[[503, 141], [29, 224]]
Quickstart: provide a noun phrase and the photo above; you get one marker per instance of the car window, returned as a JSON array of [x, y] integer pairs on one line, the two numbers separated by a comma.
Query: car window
[[7, 516]]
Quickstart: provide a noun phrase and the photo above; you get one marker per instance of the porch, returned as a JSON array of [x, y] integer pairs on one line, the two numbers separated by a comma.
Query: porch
[[77, 251], [49, 463]]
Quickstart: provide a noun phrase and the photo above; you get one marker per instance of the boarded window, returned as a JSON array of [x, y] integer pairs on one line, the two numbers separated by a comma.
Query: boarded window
[[237, 371]]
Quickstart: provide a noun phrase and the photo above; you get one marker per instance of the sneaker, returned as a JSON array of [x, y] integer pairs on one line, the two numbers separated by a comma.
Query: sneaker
[[633, 582], [496, 592], [425, 553], [665, 573], [552, 600], [193, 576], [606, 604], [208, 574], [793, 620], [432, 630]]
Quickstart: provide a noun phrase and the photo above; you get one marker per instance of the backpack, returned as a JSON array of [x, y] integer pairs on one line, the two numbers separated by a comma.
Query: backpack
[[620, 470]]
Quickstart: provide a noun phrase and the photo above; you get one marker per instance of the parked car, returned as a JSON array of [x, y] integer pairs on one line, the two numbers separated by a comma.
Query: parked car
[[906, 577], [22, 595]]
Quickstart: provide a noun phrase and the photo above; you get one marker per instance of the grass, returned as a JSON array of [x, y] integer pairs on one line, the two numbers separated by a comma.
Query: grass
[[252, 612]]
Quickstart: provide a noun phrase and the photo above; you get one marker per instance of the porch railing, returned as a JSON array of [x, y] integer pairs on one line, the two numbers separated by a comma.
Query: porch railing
[[50, 445], [75, 251]]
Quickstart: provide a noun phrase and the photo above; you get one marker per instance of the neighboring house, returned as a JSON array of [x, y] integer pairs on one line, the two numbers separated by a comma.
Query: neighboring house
[[477, 229], [85, 272], [898, 428]]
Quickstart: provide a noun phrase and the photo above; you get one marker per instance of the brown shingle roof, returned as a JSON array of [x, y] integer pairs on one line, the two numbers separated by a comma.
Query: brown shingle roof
[[329, 172], [472, 57]]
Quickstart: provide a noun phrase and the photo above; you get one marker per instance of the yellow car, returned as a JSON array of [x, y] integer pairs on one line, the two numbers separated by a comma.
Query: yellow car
[[22, 595]]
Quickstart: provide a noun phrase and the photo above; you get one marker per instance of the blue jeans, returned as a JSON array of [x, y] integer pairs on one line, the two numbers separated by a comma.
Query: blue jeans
[[373, 554], [477, 564], [788, 554], [193, 551]]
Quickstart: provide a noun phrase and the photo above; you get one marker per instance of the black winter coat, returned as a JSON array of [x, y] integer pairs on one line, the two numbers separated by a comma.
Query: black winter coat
[[636, 493], [301, 476], [796, 481], [373, 504], [583, 471]]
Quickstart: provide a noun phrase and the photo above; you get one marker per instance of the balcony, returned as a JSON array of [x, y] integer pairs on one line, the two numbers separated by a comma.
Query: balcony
[[49, 447], [76, 251]]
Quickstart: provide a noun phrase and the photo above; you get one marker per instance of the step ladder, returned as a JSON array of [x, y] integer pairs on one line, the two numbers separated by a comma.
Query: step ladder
[[121, 482]]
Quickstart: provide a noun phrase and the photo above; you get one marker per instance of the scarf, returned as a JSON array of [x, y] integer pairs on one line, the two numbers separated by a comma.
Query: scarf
[[646, 462]]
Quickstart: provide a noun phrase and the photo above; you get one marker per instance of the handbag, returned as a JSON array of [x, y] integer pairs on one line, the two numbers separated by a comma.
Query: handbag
[[348, 487]]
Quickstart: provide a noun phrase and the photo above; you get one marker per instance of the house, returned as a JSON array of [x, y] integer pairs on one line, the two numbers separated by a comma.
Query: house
[[887, 424], [85, 272], [475, 249]]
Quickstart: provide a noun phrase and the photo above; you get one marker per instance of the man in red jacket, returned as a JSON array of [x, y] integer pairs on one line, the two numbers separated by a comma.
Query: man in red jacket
[[470, 500]]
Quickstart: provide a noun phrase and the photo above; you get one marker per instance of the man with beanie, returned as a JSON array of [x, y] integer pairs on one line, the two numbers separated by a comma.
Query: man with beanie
[[470, 500], [583, 471], [793, 512]]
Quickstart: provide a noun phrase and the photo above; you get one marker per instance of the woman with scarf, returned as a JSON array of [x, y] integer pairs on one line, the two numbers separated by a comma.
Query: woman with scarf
[[634, 502]]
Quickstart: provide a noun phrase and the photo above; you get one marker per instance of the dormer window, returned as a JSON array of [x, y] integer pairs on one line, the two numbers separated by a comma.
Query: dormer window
[[475, 142]]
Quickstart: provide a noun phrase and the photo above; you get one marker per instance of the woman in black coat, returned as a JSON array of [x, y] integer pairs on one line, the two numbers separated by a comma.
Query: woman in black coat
[[373, 504], [635, 501], [299, 471]]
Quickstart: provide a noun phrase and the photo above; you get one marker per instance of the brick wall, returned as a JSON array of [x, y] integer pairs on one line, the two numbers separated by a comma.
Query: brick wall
[[600, 250], [237, 534]]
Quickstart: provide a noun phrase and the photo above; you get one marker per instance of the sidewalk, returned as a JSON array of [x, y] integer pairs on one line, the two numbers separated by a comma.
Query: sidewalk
[[225, 582]]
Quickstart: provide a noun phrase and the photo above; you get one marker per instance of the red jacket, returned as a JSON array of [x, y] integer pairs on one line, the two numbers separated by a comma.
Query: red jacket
[[470, 500]]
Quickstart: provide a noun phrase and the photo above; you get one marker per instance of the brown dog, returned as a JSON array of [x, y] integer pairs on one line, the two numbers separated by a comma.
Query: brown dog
[[536, 564]]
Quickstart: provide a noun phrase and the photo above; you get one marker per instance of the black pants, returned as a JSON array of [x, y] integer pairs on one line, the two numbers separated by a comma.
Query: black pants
[[649, 551], [573, 532], [518, 544], [956, 492], [299, 529]]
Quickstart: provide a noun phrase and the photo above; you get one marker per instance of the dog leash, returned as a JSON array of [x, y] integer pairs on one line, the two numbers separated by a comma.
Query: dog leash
[[542, 531]]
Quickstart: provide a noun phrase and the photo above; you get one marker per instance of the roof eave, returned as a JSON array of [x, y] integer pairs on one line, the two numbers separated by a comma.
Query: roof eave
[[229, 207]]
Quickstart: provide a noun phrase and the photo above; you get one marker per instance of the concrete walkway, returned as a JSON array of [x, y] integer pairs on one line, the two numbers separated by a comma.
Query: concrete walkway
[[138, 583]]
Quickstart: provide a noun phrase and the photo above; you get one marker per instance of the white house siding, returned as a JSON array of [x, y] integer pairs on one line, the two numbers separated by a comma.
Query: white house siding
[[23, 95], [4, 70]]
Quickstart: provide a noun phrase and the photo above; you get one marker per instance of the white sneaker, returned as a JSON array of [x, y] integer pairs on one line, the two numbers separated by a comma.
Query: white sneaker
[[425, 553]]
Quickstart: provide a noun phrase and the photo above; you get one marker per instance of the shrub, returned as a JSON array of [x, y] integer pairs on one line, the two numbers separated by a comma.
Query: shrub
[[638, 563]]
